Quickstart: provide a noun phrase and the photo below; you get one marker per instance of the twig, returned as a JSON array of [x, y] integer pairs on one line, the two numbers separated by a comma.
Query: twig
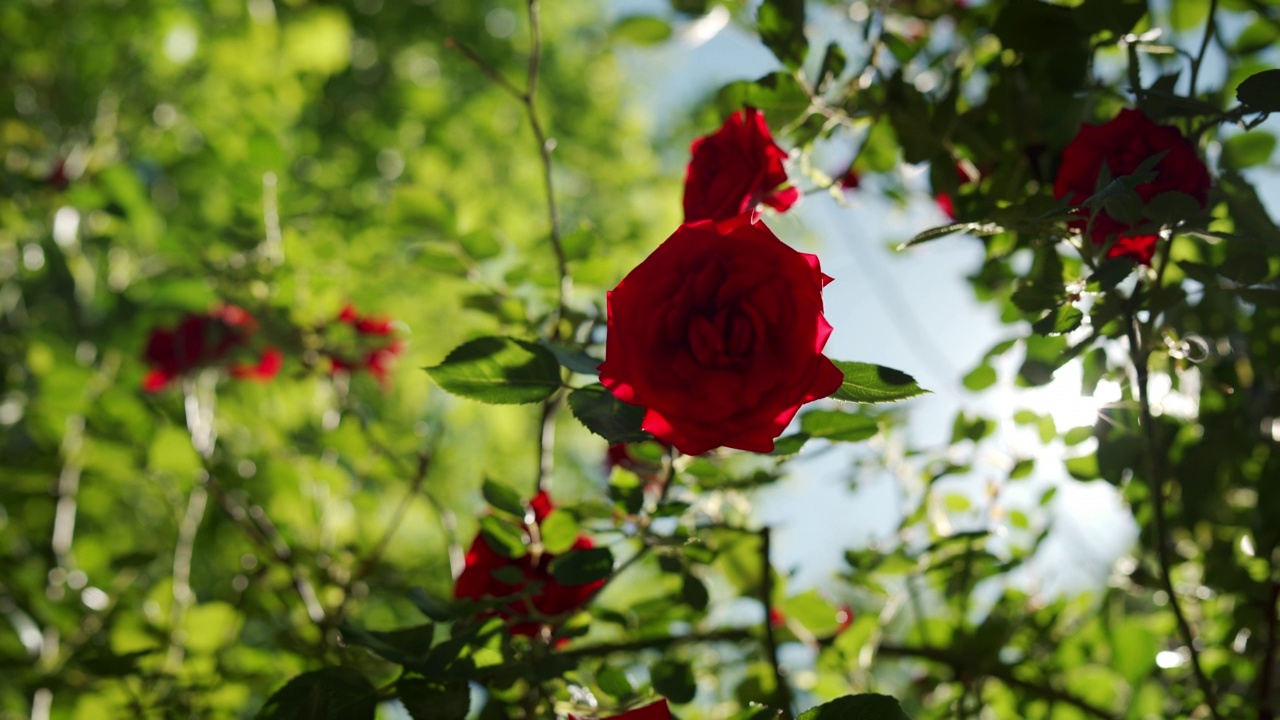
[[448, 521], [963, 666], [1155, 480], [183, 597], [658, 643], [415, 486], [1209, 26]]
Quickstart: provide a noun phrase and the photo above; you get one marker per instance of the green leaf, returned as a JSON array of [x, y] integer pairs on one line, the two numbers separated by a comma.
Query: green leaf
[[833, 64], [789, 444], [871, 383], [435, 609], [576, 360], [673, 680], [503, 537], [857, 707], [580, 567], [336, 693], [559, 531], [1021, 26], [781, 27], [1112, 272], [694, 592], [980, 378], [607, 416], [641, 30], [499, 370], [405, 646], [779, 95], [615, 683], [1059, 321], [1247, 149], [427, 700], [979, 229], [1260, 92], [838, 425], [502, 497]]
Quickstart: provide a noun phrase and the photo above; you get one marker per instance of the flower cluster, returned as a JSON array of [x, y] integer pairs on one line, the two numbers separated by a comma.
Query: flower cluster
[[1122, 145], [221, 337], [718, 334], [373, 348], [535, 593], [226, 337]]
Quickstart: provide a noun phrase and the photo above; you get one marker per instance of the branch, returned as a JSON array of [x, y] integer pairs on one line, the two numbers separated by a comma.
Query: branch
[[1209, 26], [658, 643], [1155, 479], [965, 667]]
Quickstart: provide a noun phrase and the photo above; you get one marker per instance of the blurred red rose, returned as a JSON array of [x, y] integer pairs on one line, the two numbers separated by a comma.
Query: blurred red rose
[[1122, 144], [735, 169], [850, 180], [216, 338], [654, 711], [623, 455], [374, 347], [477, 582], [719, 335], [945, 202]]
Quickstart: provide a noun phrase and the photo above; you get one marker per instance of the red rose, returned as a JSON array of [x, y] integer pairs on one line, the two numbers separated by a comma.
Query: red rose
[[850, 180], [719, 334], [655, 711], [206, 340], [1122, 144], [374, 348], [551, 598], [736, 169], [946, 203]]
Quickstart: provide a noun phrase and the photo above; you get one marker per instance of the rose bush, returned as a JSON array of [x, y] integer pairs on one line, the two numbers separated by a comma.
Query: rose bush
[[1122, 144], [735, 169], [220, 336], [548, 596], [719, 335]]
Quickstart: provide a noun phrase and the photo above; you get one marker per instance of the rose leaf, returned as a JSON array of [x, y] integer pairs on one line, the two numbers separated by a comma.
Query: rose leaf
[[871, 383], [499, 370]]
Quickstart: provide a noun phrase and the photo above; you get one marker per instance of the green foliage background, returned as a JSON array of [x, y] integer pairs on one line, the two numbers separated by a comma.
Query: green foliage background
[[292, 156]]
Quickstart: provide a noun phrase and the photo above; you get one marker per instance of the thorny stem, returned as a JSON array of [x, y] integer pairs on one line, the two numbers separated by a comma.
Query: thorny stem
[[1140, 356]]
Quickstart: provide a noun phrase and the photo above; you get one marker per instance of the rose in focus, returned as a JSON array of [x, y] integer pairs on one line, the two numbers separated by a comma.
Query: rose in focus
[[549, 598], [1122, 144], [735, 169], [215, 338], [719, 335]]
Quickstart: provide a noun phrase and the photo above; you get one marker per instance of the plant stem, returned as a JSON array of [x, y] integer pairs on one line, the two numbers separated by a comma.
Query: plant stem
[[1209, 26], [782, 691], [1140, 355], [658, 643], [415, 486]]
